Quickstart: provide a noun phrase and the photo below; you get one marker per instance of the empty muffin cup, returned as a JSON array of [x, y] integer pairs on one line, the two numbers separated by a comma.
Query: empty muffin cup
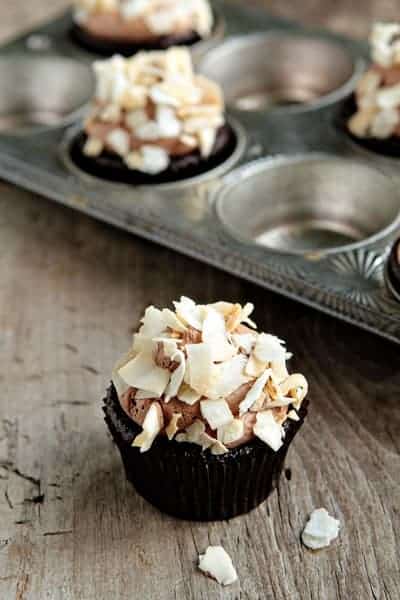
[[41, 92], [308, 204], [281, 70]]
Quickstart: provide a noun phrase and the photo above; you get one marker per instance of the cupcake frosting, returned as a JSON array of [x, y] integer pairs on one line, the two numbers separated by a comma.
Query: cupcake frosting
[[203, 374], [152, 107], [143, 20], [378, 91]]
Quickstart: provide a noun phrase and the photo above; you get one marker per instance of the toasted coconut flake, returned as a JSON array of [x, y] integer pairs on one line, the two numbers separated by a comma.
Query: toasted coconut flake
[[321, 529], [293, 416], [385, 122], [216, 412], [119, 141], [172, 427], [217, 563], [207, 138], [279, 370], [142, 343], [144, 374], [360, 123], [187, 395], [190, 313], [177, 376], [295, 385], [268, 430], [200, 367], [143, 395], [269, 348], [120, 385], [152, 425], [193, 433], [215, 334], [255, 392], [228, 377], [93, 147], [153, 323], [218, 448], [172, 321], [231, 432], [254, 367], [244, 341]]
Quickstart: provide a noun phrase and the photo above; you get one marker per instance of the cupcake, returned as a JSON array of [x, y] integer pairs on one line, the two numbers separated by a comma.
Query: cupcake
[[153, 120], [373, 114], [108, 27], [203, 410], [393, 270]]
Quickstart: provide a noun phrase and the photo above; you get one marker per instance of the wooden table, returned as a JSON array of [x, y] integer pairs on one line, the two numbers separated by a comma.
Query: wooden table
[[71, 291]]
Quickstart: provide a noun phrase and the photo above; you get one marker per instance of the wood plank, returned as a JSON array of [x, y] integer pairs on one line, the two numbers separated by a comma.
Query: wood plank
[[71, 291]]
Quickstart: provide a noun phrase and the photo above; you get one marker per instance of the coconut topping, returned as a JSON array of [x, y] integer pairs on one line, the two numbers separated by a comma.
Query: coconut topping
[[202, 374], [157, 17], [150, 108], [321, 529], [378, 91], [217, 563]]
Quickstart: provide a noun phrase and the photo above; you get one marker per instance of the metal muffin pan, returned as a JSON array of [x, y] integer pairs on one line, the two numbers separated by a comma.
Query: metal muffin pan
[[296, 209]]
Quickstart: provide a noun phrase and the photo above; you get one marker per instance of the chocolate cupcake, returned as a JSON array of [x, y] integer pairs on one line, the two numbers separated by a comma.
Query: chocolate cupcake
[[393, 270], [203, 410], [110, 27], [372, 115], [153, 120]]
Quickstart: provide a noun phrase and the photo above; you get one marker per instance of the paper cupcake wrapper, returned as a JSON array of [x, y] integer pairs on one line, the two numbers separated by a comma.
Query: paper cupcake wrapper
[[185, 482]]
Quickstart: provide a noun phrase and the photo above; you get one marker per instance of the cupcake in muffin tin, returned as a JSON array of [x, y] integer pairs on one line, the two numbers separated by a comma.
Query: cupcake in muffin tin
[[372, 115], [108, 27], [203, 410], [153, 120]]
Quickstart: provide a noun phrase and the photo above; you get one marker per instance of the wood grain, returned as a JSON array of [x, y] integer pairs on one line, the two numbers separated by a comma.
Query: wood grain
[[71, 528]]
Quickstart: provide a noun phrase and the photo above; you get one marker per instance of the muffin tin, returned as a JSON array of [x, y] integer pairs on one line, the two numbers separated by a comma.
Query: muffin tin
[[298, 208]]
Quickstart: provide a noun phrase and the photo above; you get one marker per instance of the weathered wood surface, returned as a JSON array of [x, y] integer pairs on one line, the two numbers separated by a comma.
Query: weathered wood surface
[[71, 290]]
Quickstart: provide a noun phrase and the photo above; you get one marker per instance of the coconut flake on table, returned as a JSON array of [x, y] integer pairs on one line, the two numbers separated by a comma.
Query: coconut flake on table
[[321, 529], [217, 563]]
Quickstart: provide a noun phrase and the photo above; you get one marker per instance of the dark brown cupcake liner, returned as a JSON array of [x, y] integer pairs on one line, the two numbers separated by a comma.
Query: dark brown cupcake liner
[[112, 168], [105, 47], [389, 147], [182, 480], [393, 271]]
